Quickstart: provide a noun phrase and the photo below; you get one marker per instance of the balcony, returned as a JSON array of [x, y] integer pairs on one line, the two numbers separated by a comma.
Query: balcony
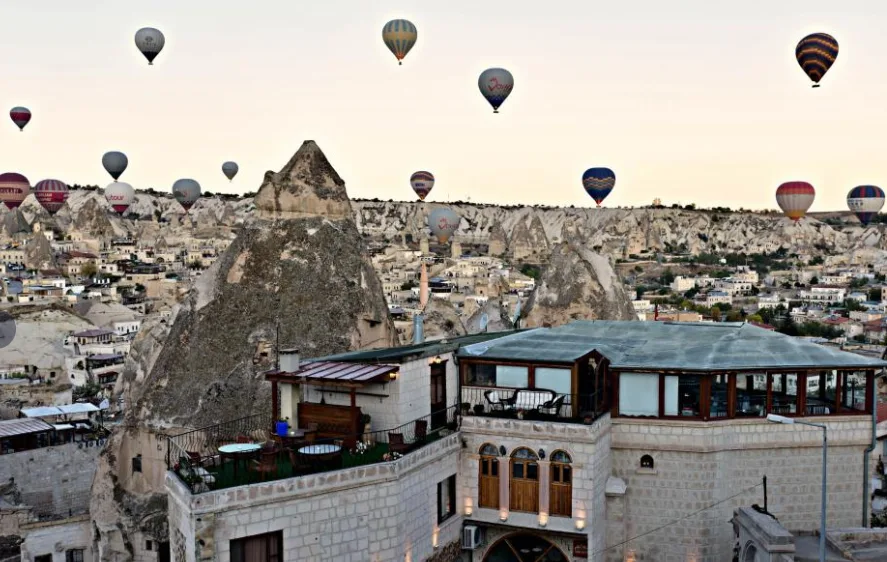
[[243, 451], [531, 404]]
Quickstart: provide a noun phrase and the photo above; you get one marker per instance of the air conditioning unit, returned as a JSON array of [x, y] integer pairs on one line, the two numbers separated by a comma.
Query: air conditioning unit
[[471, 537]]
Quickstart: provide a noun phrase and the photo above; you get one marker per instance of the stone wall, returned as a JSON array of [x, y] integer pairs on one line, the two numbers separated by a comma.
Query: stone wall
[[378, 512], [587, 445], [55, 481], [698, 464], [56, 538]]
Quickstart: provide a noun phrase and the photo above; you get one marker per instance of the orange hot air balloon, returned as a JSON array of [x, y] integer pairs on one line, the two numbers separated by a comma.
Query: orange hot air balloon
[[794, 198]]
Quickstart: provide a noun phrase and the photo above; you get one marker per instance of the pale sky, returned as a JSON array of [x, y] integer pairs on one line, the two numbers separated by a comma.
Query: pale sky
[[688, 100]]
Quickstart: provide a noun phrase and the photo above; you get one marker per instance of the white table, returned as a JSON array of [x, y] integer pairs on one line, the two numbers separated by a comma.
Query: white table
[[325, 449], [238, 451]]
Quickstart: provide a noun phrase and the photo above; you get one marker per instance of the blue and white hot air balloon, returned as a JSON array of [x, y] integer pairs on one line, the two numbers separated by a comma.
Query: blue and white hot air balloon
[[598, 182], [865, 201]]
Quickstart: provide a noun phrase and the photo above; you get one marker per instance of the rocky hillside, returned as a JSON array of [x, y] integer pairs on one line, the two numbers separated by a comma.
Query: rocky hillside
[[522, 232]]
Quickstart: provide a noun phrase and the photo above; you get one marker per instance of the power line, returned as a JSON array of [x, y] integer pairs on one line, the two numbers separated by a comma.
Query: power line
[[698, 511]]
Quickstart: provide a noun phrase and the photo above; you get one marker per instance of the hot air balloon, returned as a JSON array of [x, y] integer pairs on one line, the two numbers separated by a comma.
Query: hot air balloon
[[794, 198], [14, 188], [598, 183], [816, 53], [865, 201], [120, 195], [495, 84], [443, 223], [186, 192], [399, 37], [52, 194], [115, 163], [422, 183], [230, 169], [150, 42], [20, 116]]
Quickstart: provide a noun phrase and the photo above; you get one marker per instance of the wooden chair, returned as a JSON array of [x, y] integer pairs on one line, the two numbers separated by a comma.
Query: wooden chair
[[421, 430], [396, 443], [194, 458], [298, 462], [242, 439], [267, 464]]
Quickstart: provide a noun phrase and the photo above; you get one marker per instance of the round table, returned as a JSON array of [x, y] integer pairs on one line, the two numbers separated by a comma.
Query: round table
[[324, 449], [239, 451], [325, 455]]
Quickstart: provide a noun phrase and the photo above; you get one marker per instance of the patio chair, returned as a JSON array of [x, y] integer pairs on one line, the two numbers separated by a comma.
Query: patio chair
[[498, 402], [194, 458], [242, 439], [396, 443], [267, 464], [421, 430], [552, 408], [299, 462]]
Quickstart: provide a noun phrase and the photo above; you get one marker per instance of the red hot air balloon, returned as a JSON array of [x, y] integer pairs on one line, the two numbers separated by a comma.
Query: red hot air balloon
[[52, 194], [794, 198], [20, 116], [13, 189]]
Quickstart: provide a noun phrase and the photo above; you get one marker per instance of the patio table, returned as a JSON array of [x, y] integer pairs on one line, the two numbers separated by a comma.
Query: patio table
[[326, 455], [238, 451]]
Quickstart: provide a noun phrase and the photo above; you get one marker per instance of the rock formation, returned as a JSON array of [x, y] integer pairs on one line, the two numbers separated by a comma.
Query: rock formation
[[442, 320], [529, 243], [300, 264], [578, 284], [92, 219], [498, 240], [496, 318], [38, 252]]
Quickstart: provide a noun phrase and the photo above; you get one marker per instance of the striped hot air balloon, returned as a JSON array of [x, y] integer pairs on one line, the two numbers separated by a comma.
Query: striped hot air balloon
[[14, 188], [794, 198], [52, 194], [865, 201], [399, 36], [21, 116], [816, 53], [598, 183], [422, 182]]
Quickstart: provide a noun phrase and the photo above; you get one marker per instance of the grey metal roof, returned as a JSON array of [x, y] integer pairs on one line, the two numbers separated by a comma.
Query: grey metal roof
[[684, 346], [337, 371], [415, 351], [23, 426]]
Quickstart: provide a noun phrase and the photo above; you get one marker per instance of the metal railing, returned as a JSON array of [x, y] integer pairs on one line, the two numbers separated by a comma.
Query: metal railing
[[195, 458], [531, 404]]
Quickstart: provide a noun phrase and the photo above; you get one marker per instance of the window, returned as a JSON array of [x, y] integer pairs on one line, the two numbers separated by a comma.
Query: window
[[481, 374], [751, 395], [720, 385], [682, 395], [512, 377], [853, 387], [646, 461], [148, 545], [561, 485], [446, 499], [524, 489], [258, 548], [43, 558], [821, 392], [557, 380], [488, 478], [784, 393], [137, 463], [638, 394], [74, 555]]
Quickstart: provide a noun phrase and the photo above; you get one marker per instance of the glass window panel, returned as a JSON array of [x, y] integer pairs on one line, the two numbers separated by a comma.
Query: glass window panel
[[512, 377], [558, 380], [560, 456], [751, 395], [567, 471], [719, 387], [638, 394], [481, 374], [533, 471], [784, 389], [524, 453], [853, 390], [682, 395], [517, 470], [489, 450], [495, 466], [671, 395]]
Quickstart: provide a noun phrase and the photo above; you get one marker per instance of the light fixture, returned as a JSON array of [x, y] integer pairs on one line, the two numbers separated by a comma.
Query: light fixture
[[543, 519], [393, 376], [503, 515], [434, 536], [469, 508], [542, 454], [502, 450], [580, 524], [437, 360], [775, 418]]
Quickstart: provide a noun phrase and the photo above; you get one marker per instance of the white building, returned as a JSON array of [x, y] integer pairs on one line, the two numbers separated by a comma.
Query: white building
[[714, 298], [734, 286], [824, 294], [770, 300], [683, 284]]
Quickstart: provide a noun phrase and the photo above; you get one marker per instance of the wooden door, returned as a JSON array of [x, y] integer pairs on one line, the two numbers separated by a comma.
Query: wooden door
[[488, 482], [438, 395], [524, 488]]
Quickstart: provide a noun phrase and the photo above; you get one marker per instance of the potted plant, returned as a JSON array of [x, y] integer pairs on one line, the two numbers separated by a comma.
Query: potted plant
[[465, 407], [520, 414], [478, 409], [282, 427]]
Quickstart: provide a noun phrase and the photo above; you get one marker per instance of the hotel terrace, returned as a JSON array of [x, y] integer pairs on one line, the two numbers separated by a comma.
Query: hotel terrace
[[595, 441]]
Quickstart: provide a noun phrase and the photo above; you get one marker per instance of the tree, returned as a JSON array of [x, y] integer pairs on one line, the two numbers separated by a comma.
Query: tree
[[814, 280], [875, 294], [88, 269], [667, 277], [755, 318], [716, 314]]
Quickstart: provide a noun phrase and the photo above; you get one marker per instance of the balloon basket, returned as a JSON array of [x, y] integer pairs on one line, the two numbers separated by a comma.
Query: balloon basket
[[815, 85]]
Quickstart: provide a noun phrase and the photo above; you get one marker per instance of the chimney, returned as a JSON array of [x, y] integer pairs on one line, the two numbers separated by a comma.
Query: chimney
[[418, 328], [656, 311], [289, 360], [423, 287]]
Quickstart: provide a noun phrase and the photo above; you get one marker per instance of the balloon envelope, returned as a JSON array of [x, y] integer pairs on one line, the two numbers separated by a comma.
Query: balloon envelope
[[794, 198], [865, 201], [120, 195], [186, 192], [399, 36], [20, 116], [816, 53], [598, 183], [150, 42], [422, 183], [230, 169], [443, 223], [495, 84], [14, 188], [115, 163], [52, 194]]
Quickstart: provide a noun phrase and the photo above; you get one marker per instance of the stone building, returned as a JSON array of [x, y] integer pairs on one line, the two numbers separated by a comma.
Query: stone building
[[600, 441]]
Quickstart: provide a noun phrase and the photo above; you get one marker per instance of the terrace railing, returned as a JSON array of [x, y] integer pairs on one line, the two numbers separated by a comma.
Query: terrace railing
[[196, 459], [531, 404]]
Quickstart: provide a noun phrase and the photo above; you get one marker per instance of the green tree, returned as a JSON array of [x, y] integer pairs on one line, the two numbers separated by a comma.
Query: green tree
[[755, 318], [874, 294], [88, 269], [716, 314]]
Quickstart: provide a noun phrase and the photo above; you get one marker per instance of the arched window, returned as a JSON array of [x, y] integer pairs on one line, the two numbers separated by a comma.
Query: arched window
[[488, 477], [751, 553], [524, 493], [646, 461], [561, 485]]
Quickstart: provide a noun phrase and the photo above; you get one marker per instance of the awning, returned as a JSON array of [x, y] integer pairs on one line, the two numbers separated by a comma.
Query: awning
[[67, 409], [22, 426], [62, 426], [334, 372], [79, 408]]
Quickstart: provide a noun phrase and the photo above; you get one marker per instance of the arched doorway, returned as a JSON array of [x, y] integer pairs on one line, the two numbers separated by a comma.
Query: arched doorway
[[524, 547]]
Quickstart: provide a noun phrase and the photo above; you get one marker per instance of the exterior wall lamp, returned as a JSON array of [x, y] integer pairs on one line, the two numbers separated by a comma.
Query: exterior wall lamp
[[393, 376], [580, 524], [543, 519]]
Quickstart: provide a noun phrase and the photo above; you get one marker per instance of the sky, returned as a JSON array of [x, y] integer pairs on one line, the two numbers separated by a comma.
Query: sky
[[690, 101]]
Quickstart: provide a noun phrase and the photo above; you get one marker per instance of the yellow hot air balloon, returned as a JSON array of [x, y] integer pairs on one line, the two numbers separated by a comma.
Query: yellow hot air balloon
[[399, 36]]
